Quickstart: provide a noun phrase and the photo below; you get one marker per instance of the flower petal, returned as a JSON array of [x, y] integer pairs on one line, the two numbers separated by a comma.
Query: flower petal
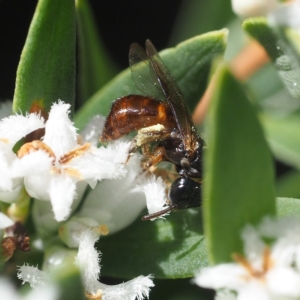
[[116, 202], [253, 8], [5, 221], [221, 276], [284, 282], [93, 130], [62, 191], [32, 275], [36, 168], [88, 259], [254, 290], [13, 195], [286, 15], [60, 134], [137, 288], [155, 191], [116, 151], [13, 128], [93, 167]]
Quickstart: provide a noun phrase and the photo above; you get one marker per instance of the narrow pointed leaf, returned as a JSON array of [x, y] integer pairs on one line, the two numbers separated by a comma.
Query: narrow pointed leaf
[[238, 179], [95, 66], [171, 248], [280, 50], [46, 71], [189, 63], [283, 136]]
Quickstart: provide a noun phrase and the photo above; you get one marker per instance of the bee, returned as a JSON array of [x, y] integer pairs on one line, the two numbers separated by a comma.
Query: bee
[[162, 118]]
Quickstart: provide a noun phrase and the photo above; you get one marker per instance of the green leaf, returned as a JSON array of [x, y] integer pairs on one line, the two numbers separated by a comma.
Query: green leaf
[[189, 64], [283, 137], [288, 207], [280, 50], [193, 18], [46, 71], [238, 178], [95, 66], [288, 185], [171, 248]]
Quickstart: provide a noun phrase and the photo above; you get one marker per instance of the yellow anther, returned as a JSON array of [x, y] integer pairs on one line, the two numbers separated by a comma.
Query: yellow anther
[[74, 153], [35, 146]]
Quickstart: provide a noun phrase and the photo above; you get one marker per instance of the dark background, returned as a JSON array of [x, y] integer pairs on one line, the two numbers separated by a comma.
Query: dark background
[[119, 22]]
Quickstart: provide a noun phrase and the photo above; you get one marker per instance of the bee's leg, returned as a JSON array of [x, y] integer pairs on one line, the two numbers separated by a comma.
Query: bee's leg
[[154, 158], [132, 149], [145, 137]]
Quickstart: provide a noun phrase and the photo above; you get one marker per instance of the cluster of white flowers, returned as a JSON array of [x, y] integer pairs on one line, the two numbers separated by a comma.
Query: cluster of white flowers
[[267, 271], [57, 169], [51, 168]]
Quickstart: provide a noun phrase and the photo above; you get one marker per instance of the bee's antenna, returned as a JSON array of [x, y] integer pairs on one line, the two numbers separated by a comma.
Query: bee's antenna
[[159, 213]]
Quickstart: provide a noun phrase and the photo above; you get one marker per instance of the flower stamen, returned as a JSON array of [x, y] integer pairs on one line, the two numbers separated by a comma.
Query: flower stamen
[[74, 153], [69, 171], [35, 146], [97, 296], [3, 140], [102, 229], [267, 264]]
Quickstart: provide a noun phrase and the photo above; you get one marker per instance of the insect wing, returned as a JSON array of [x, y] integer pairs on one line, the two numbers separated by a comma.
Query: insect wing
[[143, 74], [173, 96]]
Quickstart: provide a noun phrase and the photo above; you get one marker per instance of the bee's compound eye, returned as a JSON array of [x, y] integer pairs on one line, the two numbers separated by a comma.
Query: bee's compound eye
[[185, 193]]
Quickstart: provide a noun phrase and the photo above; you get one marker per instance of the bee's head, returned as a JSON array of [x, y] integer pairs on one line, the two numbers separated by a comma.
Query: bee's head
[[185, 193]]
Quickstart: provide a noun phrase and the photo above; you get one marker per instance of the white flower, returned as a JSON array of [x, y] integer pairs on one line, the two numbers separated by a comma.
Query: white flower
[[93, 130], [137, 288], [287, 14], [32, 275], [88, 259], [118, 202], [5, 221], [155, 191], [52, 167], [12, 129], [253, 8], [8, 291], [287, 233], [279, 13], [264, 273]]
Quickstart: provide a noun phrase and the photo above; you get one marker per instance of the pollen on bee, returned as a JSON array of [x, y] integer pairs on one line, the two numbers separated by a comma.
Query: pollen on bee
[[148, 134]]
